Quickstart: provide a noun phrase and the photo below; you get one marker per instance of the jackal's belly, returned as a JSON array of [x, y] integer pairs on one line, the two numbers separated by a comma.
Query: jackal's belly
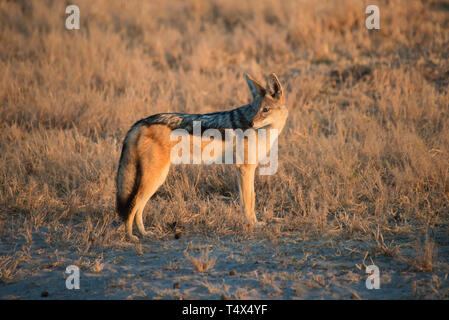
[[199, 150], [212, 147], [231, 149]]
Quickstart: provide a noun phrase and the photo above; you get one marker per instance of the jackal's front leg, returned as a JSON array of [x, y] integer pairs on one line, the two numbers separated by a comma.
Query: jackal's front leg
[[245, 173]]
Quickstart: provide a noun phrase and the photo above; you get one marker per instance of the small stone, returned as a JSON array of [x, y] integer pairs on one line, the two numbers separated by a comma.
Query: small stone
[[44, 294], [176, 285], [233, 273]]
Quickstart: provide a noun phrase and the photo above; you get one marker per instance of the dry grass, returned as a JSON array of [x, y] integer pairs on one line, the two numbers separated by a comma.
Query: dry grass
[[203, 263], [8, 267], [388, 249], [97, 266], [366, 144], [425, 257]]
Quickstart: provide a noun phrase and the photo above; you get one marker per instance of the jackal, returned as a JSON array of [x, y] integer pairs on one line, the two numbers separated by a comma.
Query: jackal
[[145, 158]]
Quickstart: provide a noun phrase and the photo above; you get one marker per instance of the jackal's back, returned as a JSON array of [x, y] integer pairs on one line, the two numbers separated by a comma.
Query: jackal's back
[[239, 118]]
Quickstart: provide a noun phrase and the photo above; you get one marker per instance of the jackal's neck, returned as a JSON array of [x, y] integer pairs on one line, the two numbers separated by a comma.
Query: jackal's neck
[[280, 124]]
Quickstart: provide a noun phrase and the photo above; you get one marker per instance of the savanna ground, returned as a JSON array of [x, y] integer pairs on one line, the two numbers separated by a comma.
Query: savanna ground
[[363, 172]]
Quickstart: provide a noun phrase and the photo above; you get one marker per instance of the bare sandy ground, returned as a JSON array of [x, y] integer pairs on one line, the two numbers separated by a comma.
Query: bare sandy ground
[[245, 268]]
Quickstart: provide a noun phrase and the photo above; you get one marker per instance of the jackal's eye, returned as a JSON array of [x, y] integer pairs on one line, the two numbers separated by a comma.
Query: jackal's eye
[[265, 109]]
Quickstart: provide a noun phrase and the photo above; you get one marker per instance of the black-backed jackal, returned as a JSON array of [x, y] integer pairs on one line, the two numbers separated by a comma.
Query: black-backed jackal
[[146, 153]]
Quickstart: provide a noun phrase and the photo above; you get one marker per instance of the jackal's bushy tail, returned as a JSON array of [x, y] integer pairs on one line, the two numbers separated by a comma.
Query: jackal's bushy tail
[[127, 178]]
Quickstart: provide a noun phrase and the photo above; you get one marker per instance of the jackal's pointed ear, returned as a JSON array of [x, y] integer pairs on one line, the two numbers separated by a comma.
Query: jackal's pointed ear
[[256, 89], [274, 87]]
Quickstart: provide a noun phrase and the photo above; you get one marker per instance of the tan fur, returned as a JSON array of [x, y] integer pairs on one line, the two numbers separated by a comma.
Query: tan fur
[[153, 151], [153, 147], [145, 162]]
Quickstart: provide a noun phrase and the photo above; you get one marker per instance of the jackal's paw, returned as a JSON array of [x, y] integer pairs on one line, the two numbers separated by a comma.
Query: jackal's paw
[[259, 224], [277, 220], [132, 238], [256, 225], [147, 234]]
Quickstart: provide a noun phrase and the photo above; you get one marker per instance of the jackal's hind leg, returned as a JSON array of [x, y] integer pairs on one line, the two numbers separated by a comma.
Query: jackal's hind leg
[[129, 226], [153, 177], [139, 223]]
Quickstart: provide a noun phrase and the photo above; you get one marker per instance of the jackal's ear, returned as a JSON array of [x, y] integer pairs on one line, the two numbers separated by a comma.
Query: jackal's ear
[[256, 89], [274, 87]]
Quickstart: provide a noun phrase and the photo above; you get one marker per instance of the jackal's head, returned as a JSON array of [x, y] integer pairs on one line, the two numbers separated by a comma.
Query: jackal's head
[[268, 104]]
